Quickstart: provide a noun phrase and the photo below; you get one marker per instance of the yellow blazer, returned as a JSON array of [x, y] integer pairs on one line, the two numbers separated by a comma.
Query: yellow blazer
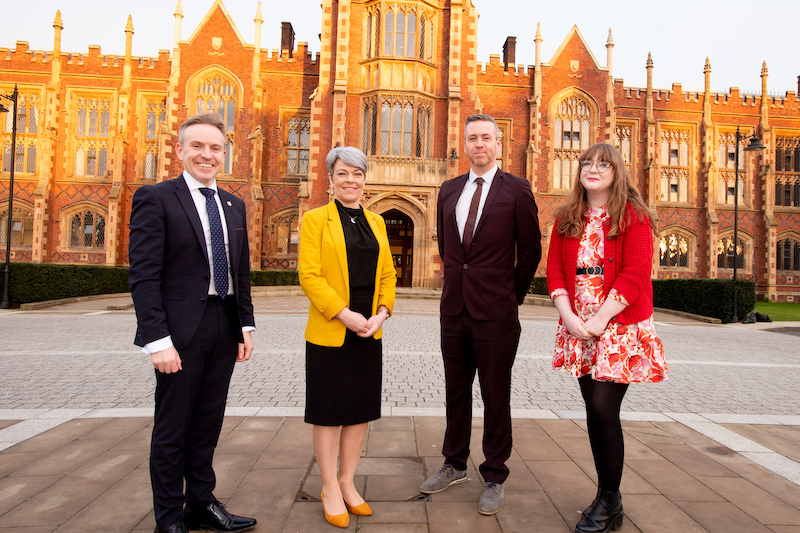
[[324, 275]]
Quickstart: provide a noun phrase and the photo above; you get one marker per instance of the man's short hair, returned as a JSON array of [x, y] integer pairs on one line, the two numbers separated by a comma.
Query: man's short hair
[[480, 117], [212, 119]]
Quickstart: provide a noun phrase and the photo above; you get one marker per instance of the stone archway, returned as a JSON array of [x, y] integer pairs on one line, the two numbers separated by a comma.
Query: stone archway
[[400, 229]]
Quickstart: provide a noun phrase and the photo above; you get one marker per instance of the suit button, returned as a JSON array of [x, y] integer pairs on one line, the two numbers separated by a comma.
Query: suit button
[[466, 266], [202, 300]]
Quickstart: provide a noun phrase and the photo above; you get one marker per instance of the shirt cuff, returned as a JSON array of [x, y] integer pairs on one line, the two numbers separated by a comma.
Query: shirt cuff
[[156, 346], [245, 329]]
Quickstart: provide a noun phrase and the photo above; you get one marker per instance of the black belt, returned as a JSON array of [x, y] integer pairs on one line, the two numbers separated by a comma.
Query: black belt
[[592, 271]]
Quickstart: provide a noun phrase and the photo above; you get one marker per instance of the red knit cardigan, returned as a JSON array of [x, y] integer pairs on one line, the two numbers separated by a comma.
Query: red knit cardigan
[[627, 264]]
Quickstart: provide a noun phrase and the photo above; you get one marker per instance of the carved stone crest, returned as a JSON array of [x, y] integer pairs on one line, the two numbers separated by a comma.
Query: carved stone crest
[[216, 42], [573, 65]]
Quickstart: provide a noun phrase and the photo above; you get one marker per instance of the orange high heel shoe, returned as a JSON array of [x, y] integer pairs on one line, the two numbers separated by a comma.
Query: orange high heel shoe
[[340, 520], [361, 510]]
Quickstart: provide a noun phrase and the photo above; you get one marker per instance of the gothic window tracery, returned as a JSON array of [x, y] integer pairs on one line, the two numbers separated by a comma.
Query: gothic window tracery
[[155, 114], [297, 145], [27, 129], [726, 164], [624, 141], [86, 230], [400, 126], [727, 254], [215, 94], [788, 255], [285, 232], [92, 135], [571, 136], [787, 171], [674, 165], [399, 30], [21, 225], [673, 249]]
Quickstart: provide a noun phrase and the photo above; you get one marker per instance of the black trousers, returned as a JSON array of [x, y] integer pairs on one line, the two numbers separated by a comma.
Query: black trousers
[[190, 406], [488, 347]]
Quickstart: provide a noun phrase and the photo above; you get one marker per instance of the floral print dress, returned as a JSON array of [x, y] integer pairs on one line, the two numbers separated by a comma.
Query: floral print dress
[[624, 353]]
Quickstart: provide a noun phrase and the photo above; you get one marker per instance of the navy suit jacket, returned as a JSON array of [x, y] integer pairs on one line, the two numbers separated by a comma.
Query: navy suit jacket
[[493, 276], [169, 273]]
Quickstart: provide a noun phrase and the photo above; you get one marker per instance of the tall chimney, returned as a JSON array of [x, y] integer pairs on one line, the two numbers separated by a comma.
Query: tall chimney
[[510, 52], [287, 37]]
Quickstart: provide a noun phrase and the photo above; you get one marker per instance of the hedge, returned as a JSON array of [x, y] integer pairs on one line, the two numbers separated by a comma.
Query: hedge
[[274, 277], [33, 282], [39, 282], [705, 297]]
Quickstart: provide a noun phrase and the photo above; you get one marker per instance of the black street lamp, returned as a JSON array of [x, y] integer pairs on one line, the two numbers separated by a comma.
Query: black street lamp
[[6, 302], [755, 145]]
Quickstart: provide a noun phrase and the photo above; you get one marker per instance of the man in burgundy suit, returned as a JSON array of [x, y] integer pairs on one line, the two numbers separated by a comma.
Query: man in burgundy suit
[[490, 245]]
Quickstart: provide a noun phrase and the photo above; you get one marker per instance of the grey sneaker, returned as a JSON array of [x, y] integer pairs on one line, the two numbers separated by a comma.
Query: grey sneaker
[[491, 498], [442, 479]]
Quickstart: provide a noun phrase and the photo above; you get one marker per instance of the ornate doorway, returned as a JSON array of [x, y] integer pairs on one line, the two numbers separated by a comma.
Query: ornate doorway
[[401, 240]]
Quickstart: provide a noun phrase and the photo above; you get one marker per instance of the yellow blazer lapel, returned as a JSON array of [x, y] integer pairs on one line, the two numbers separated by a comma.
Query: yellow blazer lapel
[[337, 234]]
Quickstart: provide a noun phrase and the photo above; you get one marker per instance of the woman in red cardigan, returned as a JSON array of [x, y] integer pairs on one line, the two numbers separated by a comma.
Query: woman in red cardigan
[[598, 275]]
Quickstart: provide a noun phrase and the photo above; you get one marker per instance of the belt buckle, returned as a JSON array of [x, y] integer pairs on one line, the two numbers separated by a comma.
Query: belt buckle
[[593, 271]]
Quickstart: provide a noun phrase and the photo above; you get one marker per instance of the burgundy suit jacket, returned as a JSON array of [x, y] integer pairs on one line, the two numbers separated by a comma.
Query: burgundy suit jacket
[[493, 276]]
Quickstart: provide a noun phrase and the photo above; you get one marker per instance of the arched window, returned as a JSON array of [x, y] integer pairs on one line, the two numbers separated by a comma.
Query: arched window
[[673, 249], [27, 128], [788, 255], [92, 135], [216, 94], [396, 124], [726, 164], [727, 253], [285, 234], [571, 136], [84, 228], [21, 225]]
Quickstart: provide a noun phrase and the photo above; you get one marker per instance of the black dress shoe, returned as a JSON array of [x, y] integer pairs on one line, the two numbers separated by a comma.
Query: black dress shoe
[[604, 515], [180, 527], [216, 517]]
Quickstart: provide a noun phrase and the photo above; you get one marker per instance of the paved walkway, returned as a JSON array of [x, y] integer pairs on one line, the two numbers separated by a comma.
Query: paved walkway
[[716, 448]]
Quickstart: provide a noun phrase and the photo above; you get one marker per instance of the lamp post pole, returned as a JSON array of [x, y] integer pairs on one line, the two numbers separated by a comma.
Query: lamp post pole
[[6, 302], [755, 145], [736, 230]]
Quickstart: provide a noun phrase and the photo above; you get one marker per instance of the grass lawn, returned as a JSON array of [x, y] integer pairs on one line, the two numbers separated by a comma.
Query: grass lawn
[[779, 311]]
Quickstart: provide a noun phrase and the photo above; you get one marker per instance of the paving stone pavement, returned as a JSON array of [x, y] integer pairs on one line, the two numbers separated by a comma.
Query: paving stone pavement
[[715, 448]]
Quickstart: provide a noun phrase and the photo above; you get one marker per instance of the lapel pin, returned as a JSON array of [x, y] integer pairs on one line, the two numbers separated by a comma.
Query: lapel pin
[[229, 204]]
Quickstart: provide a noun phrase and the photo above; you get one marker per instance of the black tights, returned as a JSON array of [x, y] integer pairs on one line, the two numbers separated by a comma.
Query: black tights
[[603, 400]]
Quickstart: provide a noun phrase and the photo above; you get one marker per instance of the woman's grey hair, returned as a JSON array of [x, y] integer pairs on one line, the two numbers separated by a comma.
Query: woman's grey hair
[[349, 155]]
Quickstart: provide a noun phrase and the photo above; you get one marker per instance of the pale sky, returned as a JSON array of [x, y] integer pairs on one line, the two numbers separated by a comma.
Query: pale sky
[[680, 33]]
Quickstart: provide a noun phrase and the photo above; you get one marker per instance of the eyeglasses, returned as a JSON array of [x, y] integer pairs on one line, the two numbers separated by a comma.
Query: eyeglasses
[[601, 166]]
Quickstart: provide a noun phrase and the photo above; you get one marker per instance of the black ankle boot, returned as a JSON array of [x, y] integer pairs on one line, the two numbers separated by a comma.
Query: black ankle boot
[[604, 515]]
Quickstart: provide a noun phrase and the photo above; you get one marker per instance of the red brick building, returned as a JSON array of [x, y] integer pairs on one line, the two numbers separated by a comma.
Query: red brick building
[[398, 80]]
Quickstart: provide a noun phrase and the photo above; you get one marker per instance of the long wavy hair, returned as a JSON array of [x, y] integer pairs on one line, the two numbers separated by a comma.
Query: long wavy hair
[[570, 214]]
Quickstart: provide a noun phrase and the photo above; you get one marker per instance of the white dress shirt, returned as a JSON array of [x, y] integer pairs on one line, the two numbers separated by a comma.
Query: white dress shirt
[[200, 205], [464, 201]]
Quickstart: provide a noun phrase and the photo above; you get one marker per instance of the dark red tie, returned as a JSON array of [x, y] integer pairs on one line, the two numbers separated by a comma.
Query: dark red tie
[[469, 228]]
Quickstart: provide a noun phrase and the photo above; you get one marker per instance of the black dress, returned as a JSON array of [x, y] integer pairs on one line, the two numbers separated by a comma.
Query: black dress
[[343, 384]]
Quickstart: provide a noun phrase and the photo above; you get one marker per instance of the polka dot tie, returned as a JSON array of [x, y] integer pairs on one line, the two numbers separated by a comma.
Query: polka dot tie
[[217, 243]]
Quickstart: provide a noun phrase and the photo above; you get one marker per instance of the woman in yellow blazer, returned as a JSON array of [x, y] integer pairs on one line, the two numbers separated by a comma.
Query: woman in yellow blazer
[[347, 272]]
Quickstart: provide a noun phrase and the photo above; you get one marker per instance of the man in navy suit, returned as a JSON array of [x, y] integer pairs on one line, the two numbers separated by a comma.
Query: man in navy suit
[[190, 282], [490, 245]]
